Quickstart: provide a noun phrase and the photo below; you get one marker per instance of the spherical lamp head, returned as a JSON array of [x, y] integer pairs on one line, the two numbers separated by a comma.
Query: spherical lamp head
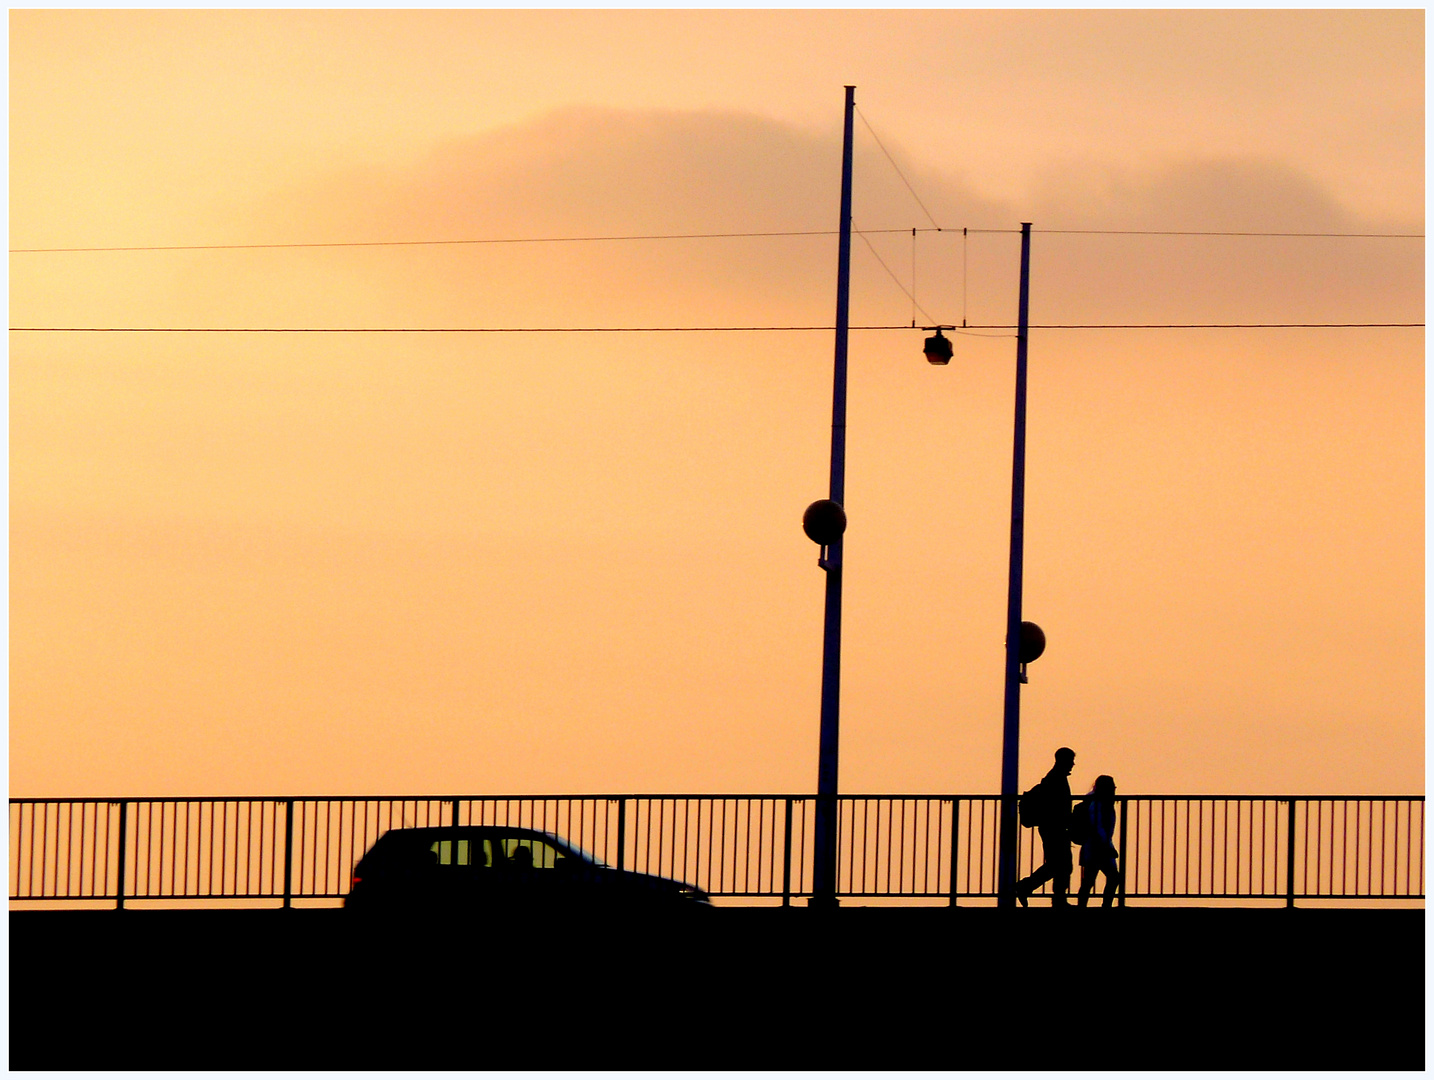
[[1033, 642], [824, 522]]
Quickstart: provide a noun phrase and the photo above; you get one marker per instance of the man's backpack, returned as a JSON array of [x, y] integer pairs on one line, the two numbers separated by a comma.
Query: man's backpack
[[1033, 807], [1081, 830]]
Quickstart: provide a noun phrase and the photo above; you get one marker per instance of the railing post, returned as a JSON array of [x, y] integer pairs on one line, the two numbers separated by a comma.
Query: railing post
[[288, 853], [123, 824], [621, 830], [955, 846], [1290, 858], [787, 858], [1120, 855]]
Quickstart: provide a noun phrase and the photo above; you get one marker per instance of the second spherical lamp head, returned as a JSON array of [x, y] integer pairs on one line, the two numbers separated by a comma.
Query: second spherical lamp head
[[1033, 642]]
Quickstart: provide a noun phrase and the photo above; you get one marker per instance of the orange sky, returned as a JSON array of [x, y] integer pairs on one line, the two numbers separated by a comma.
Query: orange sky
[[461, 563]]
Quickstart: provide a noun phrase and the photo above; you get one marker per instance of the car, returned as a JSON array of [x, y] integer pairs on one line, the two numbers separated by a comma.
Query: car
[[502, 867]]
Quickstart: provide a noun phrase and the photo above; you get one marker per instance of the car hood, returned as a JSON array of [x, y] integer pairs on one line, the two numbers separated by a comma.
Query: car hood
[[634, 880]]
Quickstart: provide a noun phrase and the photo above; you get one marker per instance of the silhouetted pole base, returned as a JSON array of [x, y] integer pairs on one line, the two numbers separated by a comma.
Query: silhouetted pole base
[[1010, 836]]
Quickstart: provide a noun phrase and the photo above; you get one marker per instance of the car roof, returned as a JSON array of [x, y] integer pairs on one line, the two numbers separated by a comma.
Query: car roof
[[398, 837], [428, 833], [493, 830]]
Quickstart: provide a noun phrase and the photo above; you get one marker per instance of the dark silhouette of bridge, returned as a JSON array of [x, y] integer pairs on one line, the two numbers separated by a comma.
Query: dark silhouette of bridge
[[855, 988], [206, 933]]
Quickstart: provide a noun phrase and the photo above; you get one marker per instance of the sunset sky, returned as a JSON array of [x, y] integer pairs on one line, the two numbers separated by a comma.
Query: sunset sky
[[480, 563]]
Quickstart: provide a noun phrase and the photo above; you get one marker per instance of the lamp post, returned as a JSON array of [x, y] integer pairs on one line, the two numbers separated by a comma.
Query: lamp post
[[1025, 641], [1015, 673], [824, 522]]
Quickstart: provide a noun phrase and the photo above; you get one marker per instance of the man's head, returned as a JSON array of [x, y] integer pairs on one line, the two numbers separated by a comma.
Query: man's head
[[1065, 760]]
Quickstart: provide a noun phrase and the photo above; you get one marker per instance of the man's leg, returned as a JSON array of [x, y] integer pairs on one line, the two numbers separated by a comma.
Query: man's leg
[[1058, 856], [1042, 874], [1026, 886]]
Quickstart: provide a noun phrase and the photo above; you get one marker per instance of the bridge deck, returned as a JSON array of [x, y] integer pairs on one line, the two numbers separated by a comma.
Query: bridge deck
[[745, 988]]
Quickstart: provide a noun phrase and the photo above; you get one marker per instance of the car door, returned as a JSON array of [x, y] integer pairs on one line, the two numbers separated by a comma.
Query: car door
[[538, 872]]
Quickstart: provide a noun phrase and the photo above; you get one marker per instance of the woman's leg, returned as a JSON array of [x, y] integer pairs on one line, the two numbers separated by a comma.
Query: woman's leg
[[1112, 881], [1087, 883]]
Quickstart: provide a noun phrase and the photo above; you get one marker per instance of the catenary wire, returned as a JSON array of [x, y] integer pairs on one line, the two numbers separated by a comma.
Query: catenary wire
[[895, 166], [685, 236], [615, 238], [1218, 232], [682, 329]]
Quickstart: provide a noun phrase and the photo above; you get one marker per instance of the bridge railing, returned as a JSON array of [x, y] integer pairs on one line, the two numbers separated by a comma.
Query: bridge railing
[[749, 848]]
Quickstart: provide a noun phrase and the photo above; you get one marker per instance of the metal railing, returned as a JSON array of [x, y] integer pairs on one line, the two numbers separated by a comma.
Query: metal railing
[[758, 848]]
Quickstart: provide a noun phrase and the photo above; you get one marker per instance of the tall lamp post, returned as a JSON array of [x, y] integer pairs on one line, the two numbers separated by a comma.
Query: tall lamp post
[[1011, 727], [824, 522], [1025, 641]]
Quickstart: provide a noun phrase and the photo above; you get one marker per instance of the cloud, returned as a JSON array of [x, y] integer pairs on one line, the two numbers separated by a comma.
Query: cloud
[[1222, 278], [609, 172], [605, 172], [1226, 194]]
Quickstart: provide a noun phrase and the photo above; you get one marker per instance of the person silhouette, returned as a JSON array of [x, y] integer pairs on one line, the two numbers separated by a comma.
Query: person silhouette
[[1054, 827], [1097, 850]]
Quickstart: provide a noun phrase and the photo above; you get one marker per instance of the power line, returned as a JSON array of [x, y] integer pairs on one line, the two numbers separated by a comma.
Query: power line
[[428, 329], [690, 236], [444, 243], [1216, 232], [681, 329], [1211, 326]]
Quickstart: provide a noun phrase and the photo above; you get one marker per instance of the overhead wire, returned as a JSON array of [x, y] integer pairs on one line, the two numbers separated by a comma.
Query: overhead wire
[[684, 329], [895, 166], [1224, 232], [618, 238], [615, 238]]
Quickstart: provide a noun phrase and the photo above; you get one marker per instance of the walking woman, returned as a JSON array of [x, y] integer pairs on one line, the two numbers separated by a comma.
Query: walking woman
[[1097, 850]]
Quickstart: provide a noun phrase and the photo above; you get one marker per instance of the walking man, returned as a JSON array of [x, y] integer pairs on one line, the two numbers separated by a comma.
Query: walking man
[[1054, 827]]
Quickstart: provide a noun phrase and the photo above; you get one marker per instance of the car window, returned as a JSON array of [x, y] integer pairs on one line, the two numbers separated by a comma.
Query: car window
[[477, 853], [522, 852]]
